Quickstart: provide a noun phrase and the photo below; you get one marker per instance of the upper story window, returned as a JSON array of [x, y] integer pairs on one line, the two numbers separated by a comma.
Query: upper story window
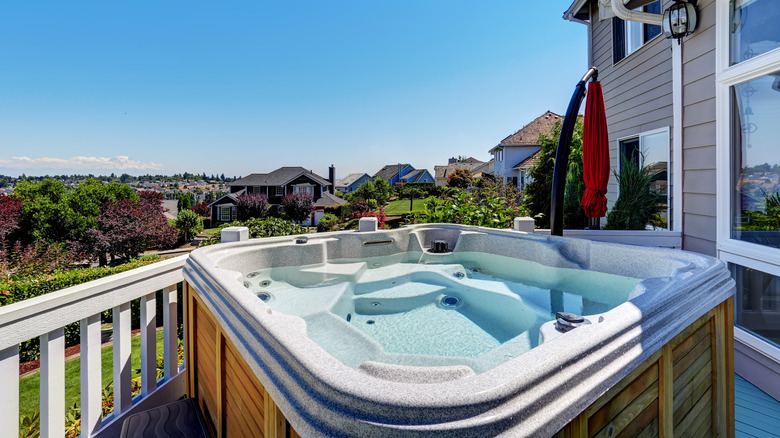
[[500, 155], [304, 188], [628, 36], [754, 28]]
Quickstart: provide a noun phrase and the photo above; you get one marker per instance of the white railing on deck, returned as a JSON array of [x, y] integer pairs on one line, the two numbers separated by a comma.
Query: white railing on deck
[[47, 315]]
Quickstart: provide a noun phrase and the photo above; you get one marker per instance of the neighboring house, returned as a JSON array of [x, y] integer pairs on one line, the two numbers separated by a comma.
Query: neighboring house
[[417, 176], [397, 173], [274, 185], [704, 115], [327, 200], [484, 169], [351, 182], [523, 169], [442, 173], [511, 152]]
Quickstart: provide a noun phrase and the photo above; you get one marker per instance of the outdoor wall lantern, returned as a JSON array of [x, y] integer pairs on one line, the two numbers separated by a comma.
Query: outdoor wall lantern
[[679, 20]]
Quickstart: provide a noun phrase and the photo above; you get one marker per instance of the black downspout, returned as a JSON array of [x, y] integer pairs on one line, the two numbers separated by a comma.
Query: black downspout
[[562, 153]]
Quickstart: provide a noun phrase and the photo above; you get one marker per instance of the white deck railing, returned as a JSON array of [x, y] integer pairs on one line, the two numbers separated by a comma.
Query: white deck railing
[[46, 317]]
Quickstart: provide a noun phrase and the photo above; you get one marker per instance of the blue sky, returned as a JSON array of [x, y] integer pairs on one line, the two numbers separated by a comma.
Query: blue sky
[[237, 87]]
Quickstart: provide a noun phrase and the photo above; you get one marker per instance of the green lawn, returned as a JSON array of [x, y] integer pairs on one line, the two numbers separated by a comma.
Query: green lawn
[[212, 231], [29, 386], [401, 206]]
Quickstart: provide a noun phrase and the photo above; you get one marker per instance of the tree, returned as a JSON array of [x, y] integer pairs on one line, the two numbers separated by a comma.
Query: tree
[[87, 198], [251, 205], [298, 206], [411, 192], [202, 209], [538, 192], [185, 202], [189, 223], [10, 211], [460, 178], [128, 228], [378, 190], [46, 212]]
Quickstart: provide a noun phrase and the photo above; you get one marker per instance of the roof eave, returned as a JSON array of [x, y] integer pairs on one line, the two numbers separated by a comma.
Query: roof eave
[[575, 10]]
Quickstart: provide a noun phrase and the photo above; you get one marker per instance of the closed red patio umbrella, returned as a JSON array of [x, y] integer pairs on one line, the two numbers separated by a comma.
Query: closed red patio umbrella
[[595, 153]]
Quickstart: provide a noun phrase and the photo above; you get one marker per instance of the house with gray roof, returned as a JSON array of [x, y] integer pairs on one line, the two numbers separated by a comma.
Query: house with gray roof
[[442, 173], [512, 152], [351, 182], [403, 173], [274, 186]]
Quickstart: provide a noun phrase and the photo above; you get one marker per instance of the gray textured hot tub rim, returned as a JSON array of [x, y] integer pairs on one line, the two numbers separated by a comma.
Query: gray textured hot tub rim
[[534, 394]]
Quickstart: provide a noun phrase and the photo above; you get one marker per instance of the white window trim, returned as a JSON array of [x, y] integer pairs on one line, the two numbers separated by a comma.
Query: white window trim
[[750, 255], [219, 213], [675, 178], [279, 189]]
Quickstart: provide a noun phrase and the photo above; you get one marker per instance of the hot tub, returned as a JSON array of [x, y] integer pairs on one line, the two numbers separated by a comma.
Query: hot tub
[[373, 334]]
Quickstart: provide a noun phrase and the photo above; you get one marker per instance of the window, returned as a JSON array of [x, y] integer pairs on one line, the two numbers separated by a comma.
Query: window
[[225, 214], [650, 150], [304, 188], [500, 155], [627, 36], [748, 214], [279, 191], [754, 28], [758, 302]]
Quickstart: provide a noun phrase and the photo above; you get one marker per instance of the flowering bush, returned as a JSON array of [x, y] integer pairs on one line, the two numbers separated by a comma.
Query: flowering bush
[[38, 258], [379, 214], [298, 206], [251, 205], [10, 209]]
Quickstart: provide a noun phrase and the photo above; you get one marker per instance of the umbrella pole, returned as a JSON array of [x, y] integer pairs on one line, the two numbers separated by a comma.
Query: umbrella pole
[[562, 153]]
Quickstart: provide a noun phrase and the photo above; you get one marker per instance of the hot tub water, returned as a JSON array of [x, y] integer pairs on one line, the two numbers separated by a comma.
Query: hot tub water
[[472, 309]]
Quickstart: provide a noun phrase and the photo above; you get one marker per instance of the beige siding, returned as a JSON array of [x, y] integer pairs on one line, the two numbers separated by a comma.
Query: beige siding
[[699, 134], [637, 90]]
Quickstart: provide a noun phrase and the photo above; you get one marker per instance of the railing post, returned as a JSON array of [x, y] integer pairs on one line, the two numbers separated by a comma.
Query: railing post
[[123, 398], [52, 384], [9, 397], [170, 332], [91, 396], [148, 345]]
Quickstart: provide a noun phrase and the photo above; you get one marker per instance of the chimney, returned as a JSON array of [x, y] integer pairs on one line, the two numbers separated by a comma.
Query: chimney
[[399, 172], [332, 178]]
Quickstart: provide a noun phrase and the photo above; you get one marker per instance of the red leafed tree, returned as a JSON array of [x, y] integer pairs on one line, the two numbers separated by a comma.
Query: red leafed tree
[[251, 205], [202, 209], [128, 228], [298, 206], [10, 210]]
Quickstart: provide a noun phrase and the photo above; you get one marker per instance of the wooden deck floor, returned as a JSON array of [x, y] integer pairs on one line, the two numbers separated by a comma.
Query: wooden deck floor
[[757, 414]]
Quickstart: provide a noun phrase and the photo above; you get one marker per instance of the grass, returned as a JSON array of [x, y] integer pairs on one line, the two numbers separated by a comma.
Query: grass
[[401, 206], [211, 231], [29, 386]]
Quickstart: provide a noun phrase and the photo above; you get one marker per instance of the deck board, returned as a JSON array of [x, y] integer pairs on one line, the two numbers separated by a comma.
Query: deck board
[[757, 414]]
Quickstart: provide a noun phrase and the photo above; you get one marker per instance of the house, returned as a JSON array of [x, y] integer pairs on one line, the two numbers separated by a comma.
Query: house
[[274, 185], [510, 154], [703, 114], [403, 173], [327, 200], [442, 173], [351, 182]]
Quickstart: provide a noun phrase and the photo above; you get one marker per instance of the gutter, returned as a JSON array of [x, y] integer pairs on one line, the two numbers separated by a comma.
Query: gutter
[[622, 12]]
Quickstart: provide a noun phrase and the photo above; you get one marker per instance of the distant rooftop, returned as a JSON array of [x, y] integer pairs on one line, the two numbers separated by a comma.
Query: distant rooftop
[[529, 134]]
